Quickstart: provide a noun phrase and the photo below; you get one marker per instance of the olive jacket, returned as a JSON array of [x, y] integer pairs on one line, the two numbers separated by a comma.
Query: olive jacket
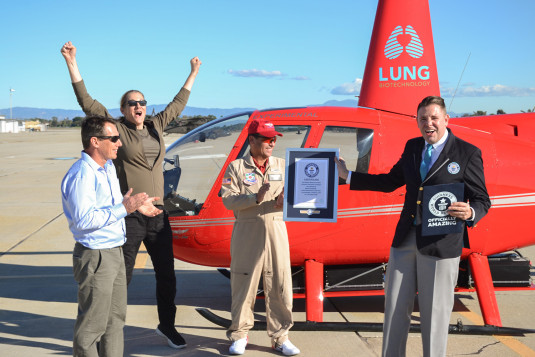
[[133, 169]]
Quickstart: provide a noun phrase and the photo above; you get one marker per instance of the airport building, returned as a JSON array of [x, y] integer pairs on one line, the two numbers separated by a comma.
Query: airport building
[[9, 126], [16, 126]]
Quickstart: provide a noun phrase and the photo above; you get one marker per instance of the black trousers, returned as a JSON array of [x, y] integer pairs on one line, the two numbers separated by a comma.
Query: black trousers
[[156, 234]]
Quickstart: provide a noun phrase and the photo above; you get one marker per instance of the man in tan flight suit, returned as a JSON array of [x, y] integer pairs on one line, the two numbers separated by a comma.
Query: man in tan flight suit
[[253, 187]]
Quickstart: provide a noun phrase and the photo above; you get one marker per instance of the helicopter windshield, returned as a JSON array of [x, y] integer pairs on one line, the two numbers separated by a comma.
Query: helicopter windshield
[[192, 163]]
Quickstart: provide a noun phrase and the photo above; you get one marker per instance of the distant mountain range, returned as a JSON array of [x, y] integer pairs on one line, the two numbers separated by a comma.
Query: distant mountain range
[[42, 113]]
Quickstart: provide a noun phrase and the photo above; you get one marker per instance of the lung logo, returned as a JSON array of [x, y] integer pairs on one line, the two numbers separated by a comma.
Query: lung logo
[[393, 49]]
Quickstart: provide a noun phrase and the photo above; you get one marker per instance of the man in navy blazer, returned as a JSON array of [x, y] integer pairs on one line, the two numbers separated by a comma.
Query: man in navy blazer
[[428, 265]]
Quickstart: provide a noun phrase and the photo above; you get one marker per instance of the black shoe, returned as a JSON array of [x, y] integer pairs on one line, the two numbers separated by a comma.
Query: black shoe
[[174, 339]]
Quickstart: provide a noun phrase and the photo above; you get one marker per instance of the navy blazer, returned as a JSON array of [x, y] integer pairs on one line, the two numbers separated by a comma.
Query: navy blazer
[[407, 172]]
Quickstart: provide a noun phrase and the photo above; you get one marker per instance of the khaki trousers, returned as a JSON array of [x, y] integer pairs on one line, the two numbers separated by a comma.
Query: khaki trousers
[[278, 298], [101, 278]]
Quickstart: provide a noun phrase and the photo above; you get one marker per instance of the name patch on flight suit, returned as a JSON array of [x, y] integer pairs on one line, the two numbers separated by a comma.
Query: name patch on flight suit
[[275, 177]]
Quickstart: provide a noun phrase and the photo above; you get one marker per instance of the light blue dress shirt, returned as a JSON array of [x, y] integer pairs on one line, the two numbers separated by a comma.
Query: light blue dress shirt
[[93, 204]]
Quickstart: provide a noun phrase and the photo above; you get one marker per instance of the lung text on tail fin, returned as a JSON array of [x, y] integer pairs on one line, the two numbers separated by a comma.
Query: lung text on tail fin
[[401, 67]]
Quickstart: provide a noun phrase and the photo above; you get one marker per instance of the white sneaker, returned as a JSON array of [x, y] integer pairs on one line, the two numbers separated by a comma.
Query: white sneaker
[[287, 349], [238, 347]]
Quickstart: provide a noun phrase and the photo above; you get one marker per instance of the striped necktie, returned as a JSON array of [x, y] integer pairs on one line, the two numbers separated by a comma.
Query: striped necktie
[[426, 162]]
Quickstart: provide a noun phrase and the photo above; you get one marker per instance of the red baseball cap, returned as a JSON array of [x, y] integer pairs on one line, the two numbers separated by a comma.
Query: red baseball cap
[[263, 127]]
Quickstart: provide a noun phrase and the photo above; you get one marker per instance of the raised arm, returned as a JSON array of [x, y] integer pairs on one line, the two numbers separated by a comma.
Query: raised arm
[[68, 51], [177, 105], [89, 105], [195, 63]]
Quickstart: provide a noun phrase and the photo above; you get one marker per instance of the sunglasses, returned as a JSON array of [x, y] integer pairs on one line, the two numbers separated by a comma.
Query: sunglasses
[[113, 139], [267, 140], [133, 103]]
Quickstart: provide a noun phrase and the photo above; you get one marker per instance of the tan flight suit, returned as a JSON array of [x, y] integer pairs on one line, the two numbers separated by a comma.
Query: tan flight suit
[[259, 246]]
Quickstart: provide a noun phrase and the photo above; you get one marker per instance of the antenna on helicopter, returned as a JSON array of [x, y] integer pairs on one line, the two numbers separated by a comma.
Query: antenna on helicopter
[[458, 83]]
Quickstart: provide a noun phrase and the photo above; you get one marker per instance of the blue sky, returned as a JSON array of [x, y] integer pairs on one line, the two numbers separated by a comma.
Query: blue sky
[[254, 54]]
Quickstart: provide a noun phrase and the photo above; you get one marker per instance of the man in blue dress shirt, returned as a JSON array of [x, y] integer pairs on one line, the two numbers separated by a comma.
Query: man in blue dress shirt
[[95, 210]]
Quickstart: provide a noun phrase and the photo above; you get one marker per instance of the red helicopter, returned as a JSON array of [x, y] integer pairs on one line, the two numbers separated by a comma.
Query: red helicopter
[[349, 257]]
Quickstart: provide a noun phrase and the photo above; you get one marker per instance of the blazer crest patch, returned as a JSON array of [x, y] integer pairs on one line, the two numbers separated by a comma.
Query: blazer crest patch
[[454, 168]]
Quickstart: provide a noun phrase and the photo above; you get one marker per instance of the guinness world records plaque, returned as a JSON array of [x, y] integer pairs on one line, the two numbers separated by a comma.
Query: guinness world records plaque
[[311, 187]]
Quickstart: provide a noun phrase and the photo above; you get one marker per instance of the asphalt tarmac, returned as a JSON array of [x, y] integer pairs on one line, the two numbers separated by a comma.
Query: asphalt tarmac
[[38, 293]]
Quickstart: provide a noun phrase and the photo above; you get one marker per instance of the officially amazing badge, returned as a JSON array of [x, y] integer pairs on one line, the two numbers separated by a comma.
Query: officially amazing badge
[[435, 217]]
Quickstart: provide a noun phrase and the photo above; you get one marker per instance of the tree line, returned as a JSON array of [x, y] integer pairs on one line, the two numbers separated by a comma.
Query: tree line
[[498, 112], [186, 122]]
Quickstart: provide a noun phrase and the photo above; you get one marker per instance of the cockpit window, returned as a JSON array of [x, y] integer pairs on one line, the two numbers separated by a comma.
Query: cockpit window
[[355, 145], [294, 136], [192, 163]]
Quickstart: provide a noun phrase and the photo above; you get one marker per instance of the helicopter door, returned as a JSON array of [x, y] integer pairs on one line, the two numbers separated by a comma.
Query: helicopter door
[[355, 145]]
